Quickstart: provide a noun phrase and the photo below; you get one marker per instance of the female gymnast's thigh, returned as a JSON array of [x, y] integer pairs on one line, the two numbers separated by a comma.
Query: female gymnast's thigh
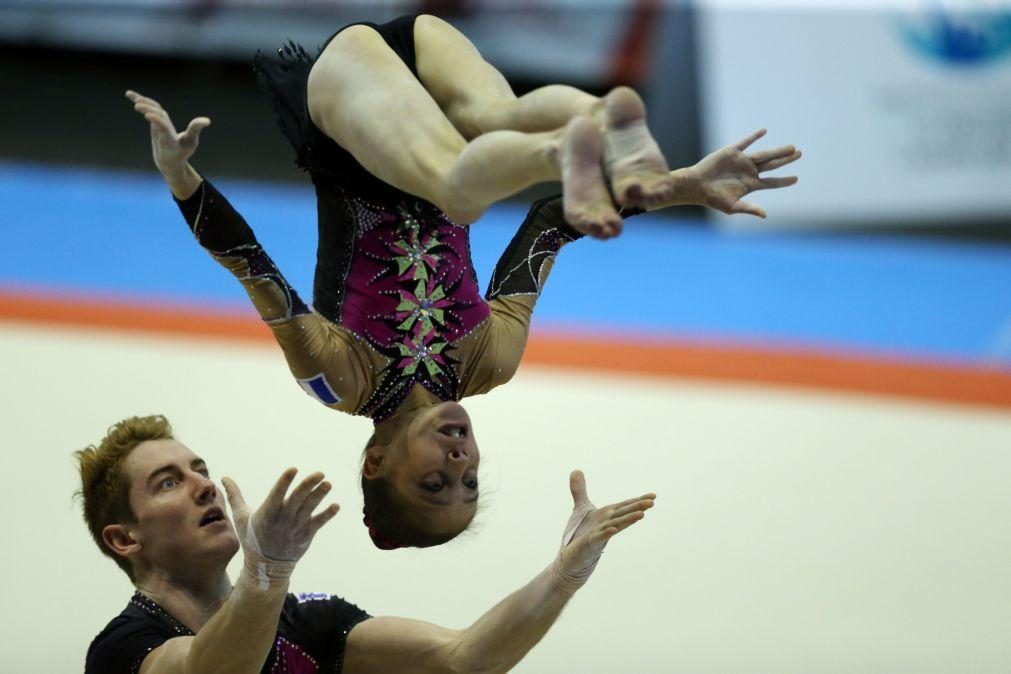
[[364, 97]]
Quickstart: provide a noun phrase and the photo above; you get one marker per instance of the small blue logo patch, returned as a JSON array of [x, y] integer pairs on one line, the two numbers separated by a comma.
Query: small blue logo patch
[[966, 38], [319, 388], [303, 597]]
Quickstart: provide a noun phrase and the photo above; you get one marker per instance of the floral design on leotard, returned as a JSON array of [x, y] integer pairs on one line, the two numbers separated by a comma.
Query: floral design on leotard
[[411, 293], [417, 258]]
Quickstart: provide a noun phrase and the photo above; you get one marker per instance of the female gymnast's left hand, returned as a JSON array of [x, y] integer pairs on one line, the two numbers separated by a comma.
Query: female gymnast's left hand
[[590, 528], [172, 150]]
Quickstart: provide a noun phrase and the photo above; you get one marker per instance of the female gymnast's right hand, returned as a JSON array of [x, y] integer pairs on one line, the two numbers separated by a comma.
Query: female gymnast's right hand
[[172, 150], [590, 528], [277, 535], [723, 178]]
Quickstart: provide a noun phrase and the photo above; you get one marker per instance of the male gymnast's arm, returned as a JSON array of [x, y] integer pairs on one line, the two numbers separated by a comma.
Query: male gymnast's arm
[[238, 638], [500, 638]]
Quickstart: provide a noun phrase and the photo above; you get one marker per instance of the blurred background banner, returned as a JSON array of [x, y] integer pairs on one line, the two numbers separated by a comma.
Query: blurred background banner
[[571, 41], [904, 112], [902, 108], [648, 44]]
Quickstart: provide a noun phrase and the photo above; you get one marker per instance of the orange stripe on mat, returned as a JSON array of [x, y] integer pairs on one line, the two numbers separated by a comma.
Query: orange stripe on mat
[[963, 384], [130, 316]]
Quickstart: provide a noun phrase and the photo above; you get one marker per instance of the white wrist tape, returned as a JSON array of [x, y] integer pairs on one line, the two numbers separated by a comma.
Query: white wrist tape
[[574, 580], [264, 569]]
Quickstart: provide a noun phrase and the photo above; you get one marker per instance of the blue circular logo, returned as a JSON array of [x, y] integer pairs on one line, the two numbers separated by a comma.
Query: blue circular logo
[[959, 38]]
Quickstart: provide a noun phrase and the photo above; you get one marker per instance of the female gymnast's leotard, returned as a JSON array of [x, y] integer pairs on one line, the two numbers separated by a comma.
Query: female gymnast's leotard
[[398, 318]]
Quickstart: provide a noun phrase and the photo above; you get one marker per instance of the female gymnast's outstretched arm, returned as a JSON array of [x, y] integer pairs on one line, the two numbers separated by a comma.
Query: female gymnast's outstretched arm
[[328, 363], [719, 181]]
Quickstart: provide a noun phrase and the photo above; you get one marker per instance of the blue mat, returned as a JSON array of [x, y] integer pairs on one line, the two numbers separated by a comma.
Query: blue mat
[[106, 232]]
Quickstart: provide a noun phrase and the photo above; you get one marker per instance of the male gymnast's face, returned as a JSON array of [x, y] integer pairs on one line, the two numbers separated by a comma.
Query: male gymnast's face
[[436, 471], [182, 522]]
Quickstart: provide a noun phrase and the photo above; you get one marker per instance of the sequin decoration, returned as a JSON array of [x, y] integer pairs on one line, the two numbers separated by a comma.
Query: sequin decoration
[[221, 231], [538, 240], [409, 291], [150, 607], [289, 658]]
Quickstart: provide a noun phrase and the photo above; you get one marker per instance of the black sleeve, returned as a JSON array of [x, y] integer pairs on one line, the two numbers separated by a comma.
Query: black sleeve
[[321, 623], [224, 233], [122, 647], [217, 226], [539, 238]]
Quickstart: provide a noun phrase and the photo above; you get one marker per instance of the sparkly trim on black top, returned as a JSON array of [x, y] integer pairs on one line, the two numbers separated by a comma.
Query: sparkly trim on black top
[[149, 606], [230, 236], [538, 240], [311, 636]]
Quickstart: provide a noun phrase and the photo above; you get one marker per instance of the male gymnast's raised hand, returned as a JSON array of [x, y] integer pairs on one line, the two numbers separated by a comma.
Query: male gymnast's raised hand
[[590, 528], [277, 535]]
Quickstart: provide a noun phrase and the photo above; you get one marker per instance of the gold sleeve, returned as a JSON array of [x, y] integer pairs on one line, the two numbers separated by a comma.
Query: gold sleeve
[[328, 362], [491, 354]]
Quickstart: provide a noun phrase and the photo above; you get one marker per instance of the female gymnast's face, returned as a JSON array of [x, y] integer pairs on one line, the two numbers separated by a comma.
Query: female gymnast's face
[[435, 468], [181, 515]]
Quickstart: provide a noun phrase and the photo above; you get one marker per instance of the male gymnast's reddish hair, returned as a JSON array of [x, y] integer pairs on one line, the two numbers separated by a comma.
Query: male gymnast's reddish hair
[[105, 487]]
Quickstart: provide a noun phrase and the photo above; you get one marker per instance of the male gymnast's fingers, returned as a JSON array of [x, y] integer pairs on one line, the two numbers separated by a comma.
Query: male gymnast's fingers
[[312, 501], [235, 499], [303, 490], [743, 144], [275, 499], [780, 162], [317, 522], [629, 501], [641, 505], [600, 538], [577, 486], [623, 522]]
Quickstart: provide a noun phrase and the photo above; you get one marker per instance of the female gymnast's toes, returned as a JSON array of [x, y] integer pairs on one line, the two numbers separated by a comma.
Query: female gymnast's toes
[[635, 166], [588, 207]]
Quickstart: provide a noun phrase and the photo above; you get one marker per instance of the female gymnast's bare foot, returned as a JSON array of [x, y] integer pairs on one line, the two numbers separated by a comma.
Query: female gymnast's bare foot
[[635, 166], [588, 207]]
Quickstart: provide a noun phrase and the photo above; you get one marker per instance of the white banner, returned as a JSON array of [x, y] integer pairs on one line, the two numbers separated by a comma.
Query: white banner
[[902, 115]]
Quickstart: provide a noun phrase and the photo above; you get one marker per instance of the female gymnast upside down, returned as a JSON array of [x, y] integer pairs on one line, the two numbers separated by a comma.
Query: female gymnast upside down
[[399, 331]]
